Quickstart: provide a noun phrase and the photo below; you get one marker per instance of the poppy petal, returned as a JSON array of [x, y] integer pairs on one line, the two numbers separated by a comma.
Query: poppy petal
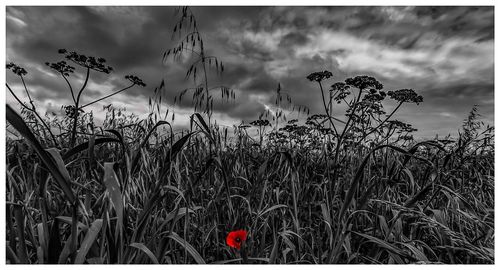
[[235, 238]]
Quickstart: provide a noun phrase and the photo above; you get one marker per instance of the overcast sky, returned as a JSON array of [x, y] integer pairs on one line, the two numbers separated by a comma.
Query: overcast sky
[[445, 54]]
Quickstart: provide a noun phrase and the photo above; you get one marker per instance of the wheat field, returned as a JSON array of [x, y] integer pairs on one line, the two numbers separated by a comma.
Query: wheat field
[[314, 189]]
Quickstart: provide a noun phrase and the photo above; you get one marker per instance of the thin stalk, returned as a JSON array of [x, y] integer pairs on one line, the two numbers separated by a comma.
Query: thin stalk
[[27, 92], [105, 97], [75, 117], [385, 120], [339, 142], [70, 87], [326, 108], [206, 89], [33, 110]]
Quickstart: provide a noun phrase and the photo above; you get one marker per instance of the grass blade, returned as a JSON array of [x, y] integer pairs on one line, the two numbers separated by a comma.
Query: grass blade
[[146, 250], [89, 239], [137, 154], [83, 146], [113, 188], [18, 123], [188, 247]]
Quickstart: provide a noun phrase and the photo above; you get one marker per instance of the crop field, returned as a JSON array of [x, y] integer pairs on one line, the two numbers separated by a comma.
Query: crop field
[[301, 188]]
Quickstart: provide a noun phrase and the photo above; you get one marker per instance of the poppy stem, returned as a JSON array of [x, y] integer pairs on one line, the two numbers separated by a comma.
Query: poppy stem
[[244, 255]]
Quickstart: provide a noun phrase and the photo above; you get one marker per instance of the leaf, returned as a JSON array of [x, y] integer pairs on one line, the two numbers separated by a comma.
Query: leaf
[[177, 147], [177, 214], [358, 178], [410, 176], [81, 147], [274, 207], [190, 249], [414, 149], [420, 255], [137, 154], [54, 245], [204, 125], [59, 162], [383, 226], [88, 241], [113, 188], [11, 256], [95, 260], [69, 221], [91, 151], [274, 251], [266, 260], [146, 250], [18, 123], [22, 253], [41, 240], [383, 244], [326, 214], [419, 196]]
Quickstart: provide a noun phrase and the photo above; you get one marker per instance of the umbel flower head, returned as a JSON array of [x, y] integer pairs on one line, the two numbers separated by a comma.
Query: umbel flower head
[[405, 95], [319, 76], [342, 89], [135, 80], [19, 71], [70, 111], [236, 238], [90, 62], [364, 82], [61, 67], [260, 123], [400, 126]]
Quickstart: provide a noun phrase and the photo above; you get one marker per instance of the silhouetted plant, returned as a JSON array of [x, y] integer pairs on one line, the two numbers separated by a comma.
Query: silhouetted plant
[[474, 134], [283, 103], [405, 95], [319, 77], [88, 63], [191, 41], [31, 109], [364, 114], [394, 127], [261, 127]]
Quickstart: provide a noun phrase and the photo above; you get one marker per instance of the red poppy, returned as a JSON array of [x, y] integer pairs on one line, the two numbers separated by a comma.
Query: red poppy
[[236, 238]]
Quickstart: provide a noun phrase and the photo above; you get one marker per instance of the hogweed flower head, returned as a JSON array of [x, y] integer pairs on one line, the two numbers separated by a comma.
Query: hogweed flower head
[[406, 95], [135, 80], [260, 123], [342, 89], [19, 71], [90, 62], [61, 67], [364, 82], [319, 76]]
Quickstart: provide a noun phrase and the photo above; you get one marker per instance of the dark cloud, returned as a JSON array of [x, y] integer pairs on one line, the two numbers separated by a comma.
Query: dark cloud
[[293, 38], [445, 53], [458, 21], [464, 95]]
